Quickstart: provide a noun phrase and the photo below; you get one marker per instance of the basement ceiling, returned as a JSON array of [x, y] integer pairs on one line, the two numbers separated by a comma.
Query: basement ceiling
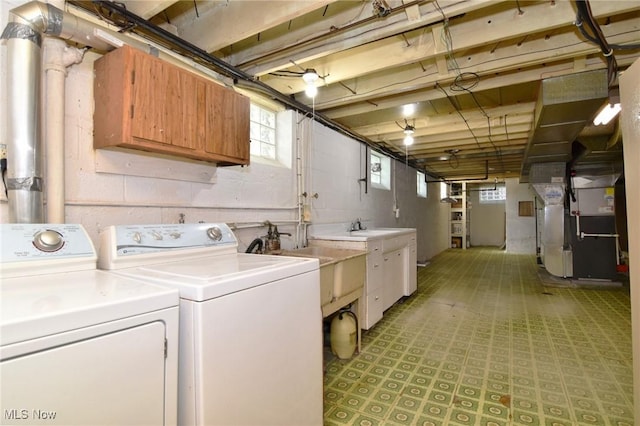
[[472, 69]]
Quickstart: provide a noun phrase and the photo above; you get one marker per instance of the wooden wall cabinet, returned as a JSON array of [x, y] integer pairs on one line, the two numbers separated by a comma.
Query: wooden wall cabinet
[[144, 103]]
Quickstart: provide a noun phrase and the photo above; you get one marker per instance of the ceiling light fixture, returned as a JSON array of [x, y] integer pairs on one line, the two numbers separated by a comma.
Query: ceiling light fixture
[[408, 131], [310, 77], [607, 114]]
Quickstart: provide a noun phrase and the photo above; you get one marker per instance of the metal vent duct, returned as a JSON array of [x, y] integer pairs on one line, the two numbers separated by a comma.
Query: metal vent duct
[[565, 105]]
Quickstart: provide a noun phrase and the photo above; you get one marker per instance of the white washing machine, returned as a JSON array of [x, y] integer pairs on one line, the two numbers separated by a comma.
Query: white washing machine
[[79, 346], [250, 325]]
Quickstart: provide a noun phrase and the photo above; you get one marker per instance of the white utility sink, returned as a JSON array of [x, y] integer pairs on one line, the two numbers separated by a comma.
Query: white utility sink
[[342, 271]]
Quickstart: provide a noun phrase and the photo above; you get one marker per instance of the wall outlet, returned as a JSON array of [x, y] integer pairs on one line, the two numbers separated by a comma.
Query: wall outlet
[[3, 151]]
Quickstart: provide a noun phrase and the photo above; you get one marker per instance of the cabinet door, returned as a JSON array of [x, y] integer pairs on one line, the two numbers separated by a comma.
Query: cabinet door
[[164, 103], [394, 278], [412, 267], [227, 123]]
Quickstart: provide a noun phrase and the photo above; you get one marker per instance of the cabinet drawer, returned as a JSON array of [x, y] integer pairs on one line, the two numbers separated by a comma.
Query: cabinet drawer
[[374, 246], [391, 244]]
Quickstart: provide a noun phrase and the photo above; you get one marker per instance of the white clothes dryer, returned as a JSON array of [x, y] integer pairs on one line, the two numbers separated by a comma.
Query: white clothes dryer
[[79, 346], [250, 325]]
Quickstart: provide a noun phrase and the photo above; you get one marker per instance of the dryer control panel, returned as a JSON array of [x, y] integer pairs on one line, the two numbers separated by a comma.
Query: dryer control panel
[[42, 247]]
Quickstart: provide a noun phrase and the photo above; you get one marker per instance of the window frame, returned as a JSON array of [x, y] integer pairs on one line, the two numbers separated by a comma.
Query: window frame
[[256, 135], [380, 179], [421, 184]]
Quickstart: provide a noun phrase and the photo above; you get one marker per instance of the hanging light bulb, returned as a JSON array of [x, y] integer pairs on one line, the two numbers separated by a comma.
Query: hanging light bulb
[[310, 77], [408, 131]]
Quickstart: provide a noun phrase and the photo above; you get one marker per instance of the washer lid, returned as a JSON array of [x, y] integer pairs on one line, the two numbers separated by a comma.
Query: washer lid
[[33, 307], [210, 277]]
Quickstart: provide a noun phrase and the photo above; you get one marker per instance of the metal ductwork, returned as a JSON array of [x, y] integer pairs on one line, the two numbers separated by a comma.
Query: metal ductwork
[[566, 104], [549, 182], [27, 24]]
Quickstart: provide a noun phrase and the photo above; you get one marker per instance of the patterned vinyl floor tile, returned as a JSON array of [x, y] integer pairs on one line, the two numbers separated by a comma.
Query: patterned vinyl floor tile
[[485, 342]]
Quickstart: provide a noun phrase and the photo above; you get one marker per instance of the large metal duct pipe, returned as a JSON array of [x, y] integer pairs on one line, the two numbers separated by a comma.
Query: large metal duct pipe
[[27, 24], [24, 164]]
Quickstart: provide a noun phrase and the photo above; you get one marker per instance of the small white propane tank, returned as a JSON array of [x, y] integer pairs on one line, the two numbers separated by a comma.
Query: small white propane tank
[[344, 334]]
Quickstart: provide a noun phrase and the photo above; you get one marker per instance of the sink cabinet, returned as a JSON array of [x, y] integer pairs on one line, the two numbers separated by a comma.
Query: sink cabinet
[[390, 269], [145, 103]]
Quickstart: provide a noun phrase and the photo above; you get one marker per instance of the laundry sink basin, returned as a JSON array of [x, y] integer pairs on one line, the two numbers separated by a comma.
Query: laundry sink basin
[[342, 271]]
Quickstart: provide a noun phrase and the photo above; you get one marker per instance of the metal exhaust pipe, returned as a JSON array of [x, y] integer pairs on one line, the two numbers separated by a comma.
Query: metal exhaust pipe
[[27, 23], [24, 163]]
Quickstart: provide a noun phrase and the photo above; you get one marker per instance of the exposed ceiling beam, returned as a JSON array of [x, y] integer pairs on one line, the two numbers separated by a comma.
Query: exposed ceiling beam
[[147, 9], [293, 47], [223, 25]]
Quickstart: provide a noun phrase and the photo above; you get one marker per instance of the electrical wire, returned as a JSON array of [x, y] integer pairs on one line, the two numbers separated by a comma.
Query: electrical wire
[[584, 16], [464, 82]]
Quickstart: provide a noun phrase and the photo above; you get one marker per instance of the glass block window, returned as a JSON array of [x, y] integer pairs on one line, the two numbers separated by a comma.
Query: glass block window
[[493, 194], [376, 168], [421, 184], [380, 170], [263, 132]]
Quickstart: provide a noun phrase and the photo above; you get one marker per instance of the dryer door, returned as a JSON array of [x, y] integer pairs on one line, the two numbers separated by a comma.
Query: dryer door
[[112, 379]]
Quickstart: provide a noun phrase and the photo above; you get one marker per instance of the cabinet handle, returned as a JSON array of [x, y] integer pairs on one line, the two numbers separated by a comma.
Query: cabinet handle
[[377, 297]]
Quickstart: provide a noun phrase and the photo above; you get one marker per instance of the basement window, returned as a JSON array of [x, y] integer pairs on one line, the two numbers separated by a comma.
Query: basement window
[[380, 171], [493, 194], [263, 132], [421, 184]]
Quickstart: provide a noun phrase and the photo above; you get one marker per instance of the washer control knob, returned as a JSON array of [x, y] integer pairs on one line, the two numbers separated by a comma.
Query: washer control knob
[[137, 237], [214, 233], [48, 241]]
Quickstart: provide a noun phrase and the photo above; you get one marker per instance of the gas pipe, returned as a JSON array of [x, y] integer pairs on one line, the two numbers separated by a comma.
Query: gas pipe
[[344, 332]]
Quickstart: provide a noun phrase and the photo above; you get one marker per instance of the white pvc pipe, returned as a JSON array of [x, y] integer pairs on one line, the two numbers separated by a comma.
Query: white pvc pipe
[[57, 57]]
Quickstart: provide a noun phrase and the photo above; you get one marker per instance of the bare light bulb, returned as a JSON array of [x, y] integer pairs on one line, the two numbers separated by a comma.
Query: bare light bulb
[[310, 77]]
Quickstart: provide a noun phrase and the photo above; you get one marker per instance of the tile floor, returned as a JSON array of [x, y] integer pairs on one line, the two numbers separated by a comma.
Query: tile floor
[[485, 342]]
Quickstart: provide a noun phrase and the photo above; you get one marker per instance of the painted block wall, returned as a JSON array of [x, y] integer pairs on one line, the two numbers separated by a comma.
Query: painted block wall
[[337, 164], [521, 231]]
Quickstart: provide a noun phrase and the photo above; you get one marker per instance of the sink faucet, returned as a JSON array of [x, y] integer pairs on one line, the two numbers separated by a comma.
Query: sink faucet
[[357, 225]]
